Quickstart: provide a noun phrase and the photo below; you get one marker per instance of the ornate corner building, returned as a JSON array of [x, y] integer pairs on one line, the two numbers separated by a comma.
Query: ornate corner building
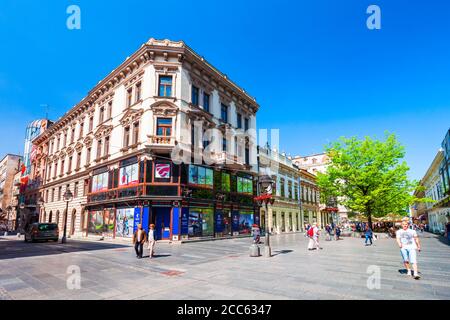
[[166, 139]]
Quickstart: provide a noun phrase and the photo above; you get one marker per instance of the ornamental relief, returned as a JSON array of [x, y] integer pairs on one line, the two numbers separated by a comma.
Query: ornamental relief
[[70, 151], [88, 141], [131, 116], [102, 131], [79, 147], [164, 109], [62, 155]]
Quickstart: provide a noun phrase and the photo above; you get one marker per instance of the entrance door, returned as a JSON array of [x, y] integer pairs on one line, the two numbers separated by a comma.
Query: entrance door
[[162, 222]]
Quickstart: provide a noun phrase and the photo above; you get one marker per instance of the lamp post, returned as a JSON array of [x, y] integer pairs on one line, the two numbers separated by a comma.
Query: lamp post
[[68, 196], [266, 186]]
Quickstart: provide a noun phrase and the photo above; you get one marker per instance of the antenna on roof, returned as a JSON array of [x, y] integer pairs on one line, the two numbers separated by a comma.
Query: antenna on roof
[[46, 108]]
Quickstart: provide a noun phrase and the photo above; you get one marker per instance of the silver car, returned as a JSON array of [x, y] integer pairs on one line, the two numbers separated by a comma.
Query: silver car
[[42, 231]]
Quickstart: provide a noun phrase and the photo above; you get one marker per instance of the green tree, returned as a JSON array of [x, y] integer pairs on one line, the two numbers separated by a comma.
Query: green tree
[[368, 176]]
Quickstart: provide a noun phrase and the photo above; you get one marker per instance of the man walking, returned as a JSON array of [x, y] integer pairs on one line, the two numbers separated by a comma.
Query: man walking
[[369, 235], [408, 241], [151, 241], [139, 238]]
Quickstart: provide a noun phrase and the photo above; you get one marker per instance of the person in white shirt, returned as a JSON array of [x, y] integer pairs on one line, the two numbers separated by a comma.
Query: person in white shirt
[[408, 241], [314, 237], [151, 240]]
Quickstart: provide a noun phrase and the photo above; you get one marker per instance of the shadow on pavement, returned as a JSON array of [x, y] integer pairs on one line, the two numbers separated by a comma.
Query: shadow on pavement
[[282, 252], [12, 249]]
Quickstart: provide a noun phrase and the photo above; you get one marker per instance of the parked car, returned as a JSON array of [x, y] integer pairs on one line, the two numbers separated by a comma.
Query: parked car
[[42, 231]]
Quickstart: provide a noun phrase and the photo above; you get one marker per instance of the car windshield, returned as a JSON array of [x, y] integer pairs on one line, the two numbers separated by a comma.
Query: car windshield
[[47, 227]]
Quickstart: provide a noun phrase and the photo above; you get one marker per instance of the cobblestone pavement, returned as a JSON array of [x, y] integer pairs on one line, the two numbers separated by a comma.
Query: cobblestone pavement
[[221, 270]]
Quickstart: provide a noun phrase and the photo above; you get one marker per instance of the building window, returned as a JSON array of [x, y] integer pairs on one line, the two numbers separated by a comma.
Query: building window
[[59, 193], [53, 195], [75, 190], [69, 166], [282, 188], [46, 195], [88, 156], [246, 123], [296, 191], [58, 141], [226, 182], [224, 144], [78, 160], [72, 135], [91, 124], [80, 135], [164, 127], [49, 172], [126, 137], [206, 102], [109, 110], [129, 97], [65, 139], [51, 147], [138, 92], [106, 153], [194, 97], [135, 133], [86, 187], [99, 148], [244, 185], [55, 170], [62, 167], [290, 195], [239, 121], [165, 86], [201, 176], [224, 113], [101, 117]]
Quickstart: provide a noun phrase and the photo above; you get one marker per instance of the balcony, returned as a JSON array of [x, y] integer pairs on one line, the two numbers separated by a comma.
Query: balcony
[[160, 142], [228, 159]]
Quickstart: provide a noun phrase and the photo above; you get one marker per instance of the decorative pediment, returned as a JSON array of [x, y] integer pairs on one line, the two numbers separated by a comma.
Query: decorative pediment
[[70, 151], [88, 141], [131, 116], [62, 155], [102, 131], [164, 108], [79, 146]]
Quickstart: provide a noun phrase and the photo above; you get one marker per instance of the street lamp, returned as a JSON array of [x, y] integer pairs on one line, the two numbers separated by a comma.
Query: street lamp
[[68, 196], [266, 186]]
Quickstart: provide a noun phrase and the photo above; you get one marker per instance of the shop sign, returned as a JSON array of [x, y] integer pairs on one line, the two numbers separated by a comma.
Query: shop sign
[[162, 171]]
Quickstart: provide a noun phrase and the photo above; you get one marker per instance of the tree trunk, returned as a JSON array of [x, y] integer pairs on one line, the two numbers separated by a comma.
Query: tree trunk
[[369, 217]]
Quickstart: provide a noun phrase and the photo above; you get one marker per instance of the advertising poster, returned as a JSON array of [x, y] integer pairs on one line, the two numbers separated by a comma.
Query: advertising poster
[[125, 223], [185, 221], [245, 223], [219, 221], [129, 175], [235, 221]]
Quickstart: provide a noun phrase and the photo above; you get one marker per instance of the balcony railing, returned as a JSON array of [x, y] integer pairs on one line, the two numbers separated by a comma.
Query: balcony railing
[[162, 140]]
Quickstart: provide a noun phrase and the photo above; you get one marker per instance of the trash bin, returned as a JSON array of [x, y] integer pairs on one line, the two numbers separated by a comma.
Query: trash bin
[[254, 251]]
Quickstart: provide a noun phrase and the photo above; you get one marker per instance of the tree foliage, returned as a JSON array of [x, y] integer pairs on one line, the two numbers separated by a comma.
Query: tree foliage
[[368, 176]]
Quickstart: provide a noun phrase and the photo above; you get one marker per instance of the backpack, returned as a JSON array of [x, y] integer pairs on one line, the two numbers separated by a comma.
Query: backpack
[[311, 232]]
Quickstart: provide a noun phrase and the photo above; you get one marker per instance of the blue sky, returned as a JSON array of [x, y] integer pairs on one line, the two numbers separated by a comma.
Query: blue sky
[[314, 67]]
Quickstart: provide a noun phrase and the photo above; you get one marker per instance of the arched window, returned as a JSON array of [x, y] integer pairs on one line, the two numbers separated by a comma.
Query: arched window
[[50, 217]]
